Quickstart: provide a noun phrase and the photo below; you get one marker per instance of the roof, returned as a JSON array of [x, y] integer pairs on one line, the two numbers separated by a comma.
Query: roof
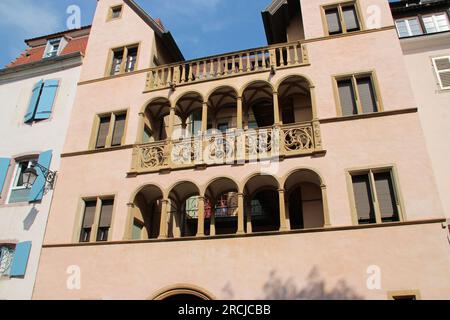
[[407, 6], [160, 31], [276, 17], [77, 40]]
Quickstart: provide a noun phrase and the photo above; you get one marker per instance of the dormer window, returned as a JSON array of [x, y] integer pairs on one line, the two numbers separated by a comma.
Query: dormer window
[[53, 48]]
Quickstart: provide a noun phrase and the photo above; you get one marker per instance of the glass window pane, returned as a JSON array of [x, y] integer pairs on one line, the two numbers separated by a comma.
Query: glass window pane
[[350, 18], [119, 130], [415, 27], [367, 95], [103, 131], [402, 28], [334, 24], [347, 97], [386, 197], [131, 59], [429, 24], [363, 199]]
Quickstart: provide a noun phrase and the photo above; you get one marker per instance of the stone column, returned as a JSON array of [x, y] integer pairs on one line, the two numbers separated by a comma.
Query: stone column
[[283, 218], [171, 123], [205, 117], [201, 217], [163, 232], [239, 113], [326, 212], [276, 109], [241, 218]]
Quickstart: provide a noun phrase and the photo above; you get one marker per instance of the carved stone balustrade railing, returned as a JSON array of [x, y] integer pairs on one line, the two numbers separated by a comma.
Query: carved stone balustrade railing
[[232, 148], [232, 64]]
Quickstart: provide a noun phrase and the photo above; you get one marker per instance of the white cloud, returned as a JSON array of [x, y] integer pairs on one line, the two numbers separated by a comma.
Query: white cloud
[[30, 16]]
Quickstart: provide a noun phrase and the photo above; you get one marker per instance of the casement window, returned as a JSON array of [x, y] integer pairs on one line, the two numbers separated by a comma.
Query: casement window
[[437, 22], [342, 18], [124, 60], [42, 100], [375, 197], [53, 48], [357, 94], [442, 68], [96, 222], [24, 187], [4, 169], [408, 27], [110, 130], [14, 259], [115, 12]]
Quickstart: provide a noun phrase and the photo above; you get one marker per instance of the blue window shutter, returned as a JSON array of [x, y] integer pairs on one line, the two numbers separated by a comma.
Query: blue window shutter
[[33, 101], [20, 260], [37, 190], [4, 166], [45, 105]]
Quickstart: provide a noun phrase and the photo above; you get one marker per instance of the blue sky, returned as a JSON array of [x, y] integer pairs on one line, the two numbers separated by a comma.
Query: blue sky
[[200, 27]]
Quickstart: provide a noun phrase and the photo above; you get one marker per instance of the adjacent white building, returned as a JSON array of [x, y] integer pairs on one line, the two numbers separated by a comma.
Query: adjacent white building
[[37, 92]]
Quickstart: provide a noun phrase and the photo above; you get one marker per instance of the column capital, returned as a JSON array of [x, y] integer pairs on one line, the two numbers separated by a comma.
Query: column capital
[[323, 186], [239, 97], [281, 190], [165, 201], [205, 103], [141, 114], [275, 92], [131, 205]]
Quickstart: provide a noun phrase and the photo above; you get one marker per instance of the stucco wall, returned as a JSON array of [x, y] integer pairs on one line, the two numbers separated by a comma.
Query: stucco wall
[[434, 105], [330, 265], [24, 222]]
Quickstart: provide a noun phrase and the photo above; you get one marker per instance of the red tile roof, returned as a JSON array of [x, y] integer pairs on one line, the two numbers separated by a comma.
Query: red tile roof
[[35, 52]]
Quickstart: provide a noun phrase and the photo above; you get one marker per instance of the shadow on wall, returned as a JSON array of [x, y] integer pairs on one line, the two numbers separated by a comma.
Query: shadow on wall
[[29, 220], [315, 289]]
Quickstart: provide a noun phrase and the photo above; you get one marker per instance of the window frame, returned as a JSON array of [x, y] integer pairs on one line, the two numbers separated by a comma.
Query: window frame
[[392, 295], [15, 177], [109, 138], [48, 45], [11, 247], [433, 16], [438, 72], [371, 171], [95, 226], [125, 48], [354, 76], [406, 19], [339, 6], [111, 9]]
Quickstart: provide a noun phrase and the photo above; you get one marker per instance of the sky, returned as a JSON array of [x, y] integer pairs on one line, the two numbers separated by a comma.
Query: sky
[[200, 27]]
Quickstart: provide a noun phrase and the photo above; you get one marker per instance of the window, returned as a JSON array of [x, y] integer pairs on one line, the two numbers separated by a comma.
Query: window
[[6, 259], [14, 259], [42, 100], [96, 221], [53, 48], [115, 12], [124, 60], [411, 295], [442, 68], [342, 18], [21, 186], [110, 130], [437, 22], [357, 94], [375, 197], [408, 27]]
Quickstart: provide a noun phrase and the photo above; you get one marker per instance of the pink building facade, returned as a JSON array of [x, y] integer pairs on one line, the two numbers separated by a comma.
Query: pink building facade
[[293, 171]]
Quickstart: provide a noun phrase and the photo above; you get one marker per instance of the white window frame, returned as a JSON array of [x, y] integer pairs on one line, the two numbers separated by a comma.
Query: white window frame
[[49, 49], [406, 20], [433, 17], [16, 176], [438, 72]]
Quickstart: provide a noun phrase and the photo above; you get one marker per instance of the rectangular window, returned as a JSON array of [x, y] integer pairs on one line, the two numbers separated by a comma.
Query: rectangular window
[[357, 94], [124, 60], [6, 259], [22, 183], [88, 220], [96, 227], [437, 22], [110, 130], [115, 12], [375, 197], [442, 68], [408, 27], [342, 18], [53, 48]]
